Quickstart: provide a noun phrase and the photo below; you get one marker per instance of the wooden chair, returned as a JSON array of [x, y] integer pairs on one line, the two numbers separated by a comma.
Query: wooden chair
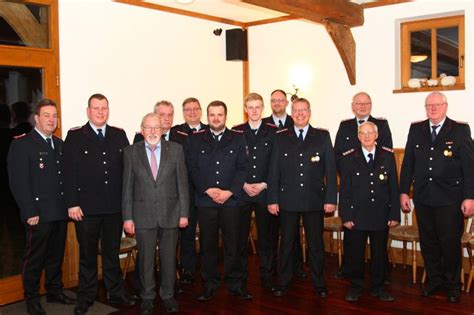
[[128, 245], [333, 225], [471, 273], [405, 233], [251, 240]]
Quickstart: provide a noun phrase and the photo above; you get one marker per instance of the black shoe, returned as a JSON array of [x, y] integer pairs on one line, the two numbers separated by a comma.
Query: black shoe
[[267, 284], [383, 295], [187, 277], [60, 298], [430, 290], [339, 275], [241, 293], [146, 307], [80, 309], [323, 293], [280, 291], [206, 295], [387, 281], [178, 289], [353, 295], [171, 305], [454, 296], [124, 300], [35, 309], [299, 273]]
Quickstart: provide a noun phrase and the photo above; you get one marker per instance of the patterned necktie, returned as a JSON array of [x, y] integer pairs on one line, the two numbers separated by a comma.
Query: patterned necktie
[[280, 124], [433, 133], [100, 135], [300, 137], [370, 163], [153, 163], [50, 143]]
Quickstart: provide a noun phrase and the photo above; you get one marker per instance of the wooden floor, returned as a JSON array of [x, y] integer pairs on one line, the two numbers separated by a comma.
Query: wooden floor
[[301, 298]]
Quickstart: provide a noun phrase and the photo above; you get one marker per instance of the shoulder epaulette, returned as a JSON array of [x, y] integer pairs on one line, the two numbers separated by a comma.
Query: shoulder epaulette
[[238, 131], [116, 127], [380, 118], [271, 125], [199, 131], [348, 152], [347, 119], [387, 149], [182, 133], [462, 122], [319, 128], [282, 130], [20, 136], [75, 128], [415, 122], [239, 125]]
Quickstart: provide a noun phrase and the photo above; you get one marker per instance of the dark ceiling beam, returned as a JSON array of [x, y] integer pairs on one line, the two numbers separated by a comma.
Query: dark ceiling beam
[[336, 11]]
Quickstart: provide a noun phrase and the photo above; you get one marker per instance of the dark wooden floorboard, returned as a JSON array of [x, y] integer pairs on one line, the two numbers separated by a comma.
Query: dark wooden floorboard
[[302, 299]]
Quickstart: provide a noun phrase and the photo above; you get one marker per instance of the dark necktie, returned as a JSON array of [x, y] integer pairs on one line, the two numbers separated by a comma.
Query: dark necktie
[[100, 135], [216, 137], [254, 131], [50, 143], [280, 124], [370, 163], [361, 121], [193, 130], [163, 136], [433, 133], [300, 137]]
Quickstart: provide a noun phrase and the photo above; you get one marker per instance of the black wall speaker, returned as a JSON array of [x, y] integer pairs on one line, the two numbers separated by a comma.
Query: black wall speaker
[[236, 44]]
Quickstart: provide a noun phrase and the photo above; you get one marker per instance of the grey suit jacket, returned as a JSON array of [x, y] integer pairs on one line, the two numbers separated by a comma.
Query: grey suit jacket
[[149, 202]]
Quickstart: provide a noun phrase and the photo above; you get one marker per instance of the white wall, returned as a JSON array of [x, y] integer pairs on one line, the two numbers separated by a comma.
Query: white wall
[[276, 49], [137, 56]]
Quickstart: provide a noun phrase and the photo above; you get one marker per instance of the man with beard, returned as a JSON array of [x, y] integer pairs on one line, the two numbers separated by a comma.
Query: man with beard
[[217, 163]]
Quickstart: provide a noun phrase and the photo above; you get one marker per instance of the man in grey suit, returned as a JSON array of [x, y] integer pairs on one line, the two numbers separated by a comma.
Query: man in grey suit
[[155, 203]]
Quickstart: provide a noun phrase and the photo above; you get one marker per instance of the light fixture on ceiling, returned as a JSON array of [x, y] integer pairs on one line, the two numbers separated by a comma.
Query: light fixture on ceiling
[[418, 58], [184, 1]]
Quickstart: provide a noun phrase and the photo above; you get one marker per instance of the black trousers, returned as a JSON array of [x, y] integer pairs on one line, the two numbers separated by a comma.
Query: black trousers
[[44, 250], [107, 228], [298, 251], [355, 252], [188, 242], [267, 235], [227, 219], [313, 225], [440, 230], [146, 245]]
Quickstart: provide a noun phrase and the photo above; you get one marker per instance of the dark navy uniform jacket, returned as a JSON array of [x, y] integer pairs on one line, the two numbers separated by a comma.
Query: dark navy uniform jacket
[[213, 164], [346, 137], [260, 147], [369, 198], [288, 122], [93, 169], [184, 127], [442, 173], [302, 175], [36, 178]]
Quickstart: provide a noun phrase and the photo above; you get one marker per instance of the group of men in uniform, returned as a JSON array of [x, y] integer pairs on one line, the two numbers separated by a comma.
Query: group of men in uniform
[[280, 167]]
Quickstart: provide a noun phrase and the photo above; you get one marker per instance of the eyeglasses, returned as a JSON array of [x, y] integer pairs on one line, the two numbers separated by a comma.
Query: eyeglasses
[[277, 100], [436, 105], [189, 110], [301, 110], [149, 128]]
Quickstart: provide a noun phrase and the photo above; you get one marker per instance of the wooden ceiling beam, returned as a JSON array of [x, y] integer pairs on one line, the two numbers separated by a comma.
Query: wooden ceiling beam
[[342, 37], [23, 22], [336, 11]]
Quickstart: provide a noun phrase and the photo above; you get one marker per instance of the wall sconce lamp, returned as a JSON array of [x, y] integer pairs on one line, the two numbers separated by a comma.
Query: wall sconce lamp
[[418, 58], [294, 95]]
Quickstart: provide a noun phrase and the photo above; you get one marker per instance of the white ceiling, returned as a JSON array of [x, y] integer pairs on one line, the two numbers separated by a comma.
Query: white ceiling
[[229, 9]]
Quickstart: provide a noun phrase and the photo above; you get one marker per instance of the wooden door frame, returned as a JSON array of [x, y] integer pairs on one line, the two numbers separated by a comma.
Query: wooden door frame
[[11, 288]]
